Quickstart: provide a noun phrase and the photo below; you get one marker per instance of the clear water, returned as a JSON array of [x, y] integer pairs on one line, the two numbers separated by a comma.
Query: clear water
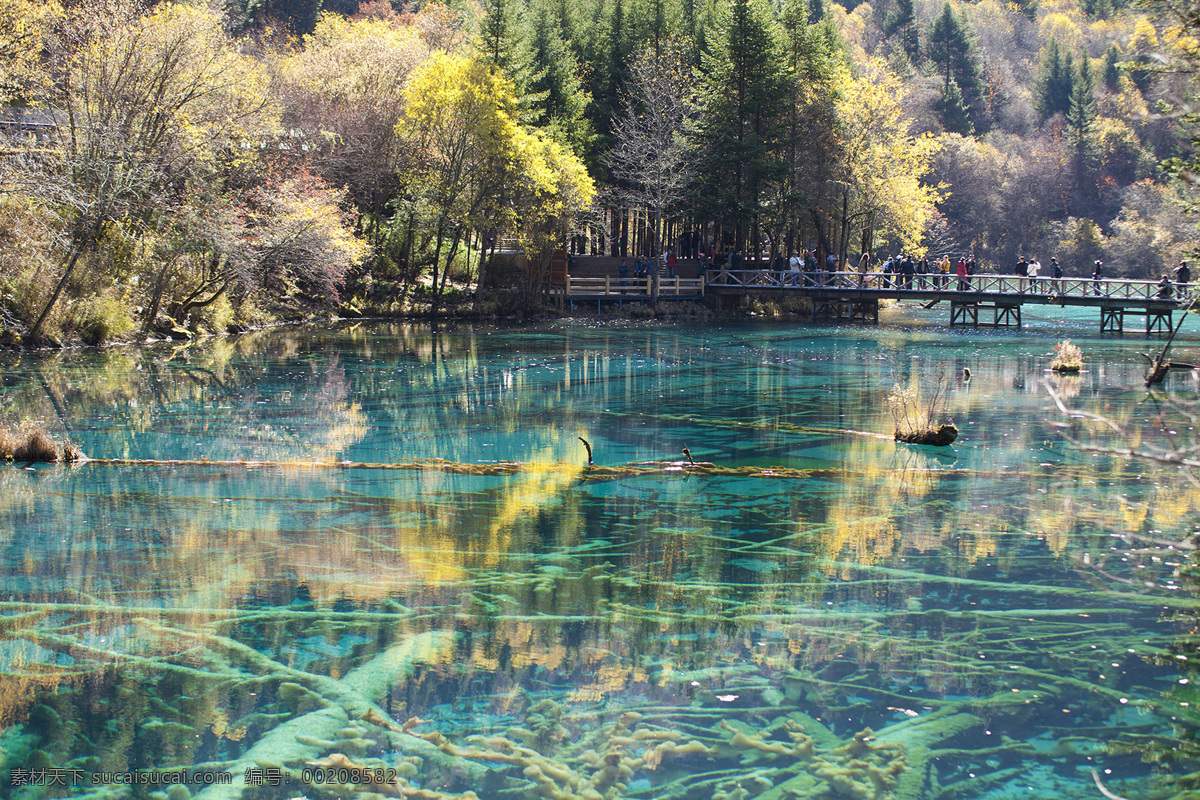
[[991, 610]]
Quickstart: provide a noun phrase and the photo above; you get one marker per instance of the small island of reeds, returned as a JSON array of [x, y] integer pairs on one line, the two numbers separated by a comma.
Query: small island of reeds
[[916, 415], [1068, 357], [34, 444]]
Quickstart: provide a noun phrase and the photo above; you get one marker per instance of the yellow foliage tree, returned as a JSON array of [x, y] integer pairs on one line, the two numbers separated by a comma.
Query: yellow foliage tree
[[345, 90], [152, 106], [469, 165], [882, 163], [24, 26]]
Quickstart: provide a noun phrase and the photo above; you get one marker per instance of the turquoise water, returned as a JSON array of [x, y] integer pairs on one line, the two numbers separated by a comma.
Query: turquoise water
[[991, 610]]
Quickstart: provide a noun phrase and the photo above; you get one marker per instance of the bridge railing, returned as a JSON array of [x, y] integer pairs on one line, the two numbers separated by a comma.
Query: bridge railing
[[937, 281], [608, 286]]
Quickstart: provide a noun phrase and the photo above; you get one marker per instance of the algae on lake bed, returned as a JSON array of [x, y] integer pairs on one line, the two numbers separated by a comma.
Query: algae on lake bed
[[640, 628]]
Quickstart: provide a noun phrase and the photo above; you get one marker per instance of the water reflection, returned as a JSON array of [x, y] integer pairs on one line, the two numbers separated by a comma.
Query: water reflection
[[990, 611]]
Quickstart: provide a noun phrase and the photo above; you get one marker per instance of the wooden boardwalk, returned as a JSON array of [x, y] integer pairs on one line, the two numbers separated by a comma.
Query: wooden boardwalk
[[600, 289], [982, 300]]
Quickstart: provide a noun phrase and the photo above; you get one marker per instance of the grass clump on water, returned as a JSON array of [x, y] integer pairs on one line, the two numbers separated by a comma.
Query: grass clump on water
[[1068, 357], [34, 444], [916, 415]]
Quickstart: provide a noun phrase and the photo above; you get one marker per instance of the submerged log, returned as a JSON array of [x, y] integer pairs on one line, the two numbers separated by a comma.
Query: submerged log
[[944, 435]]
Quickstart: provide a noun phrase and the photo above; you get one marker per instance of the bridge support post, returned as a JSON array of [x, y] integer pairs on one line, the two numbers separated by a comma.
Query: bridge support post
[[1007, 316], [1158, 322], [1113, 319], [866, 310], [960, 313], [829, 309]]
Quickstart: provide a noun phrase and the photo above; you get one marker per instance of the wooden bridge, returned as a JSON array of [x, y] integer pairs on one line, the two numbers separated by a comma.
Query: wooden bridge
[[976, 300]]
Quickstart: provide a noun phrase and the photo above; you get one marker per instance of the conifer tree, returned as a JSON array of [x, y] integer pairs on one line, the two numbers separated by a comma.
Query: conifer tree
[[504, 42], [560, 100], [1081, 111], [505, 46], [902, 24], [1112, 69], [951, 46], [745, 96], [814, 61], [1054, 82], [953, 111]]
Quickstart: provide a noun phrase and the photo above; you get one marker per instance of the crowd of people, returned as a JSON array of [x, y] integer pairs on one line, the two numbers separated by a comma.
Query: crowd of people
[[900, 271]]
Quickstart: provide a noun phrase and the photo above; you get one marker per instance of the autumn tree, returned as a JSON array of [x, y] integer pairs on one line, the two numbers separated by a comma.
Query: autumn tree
[[882, 164], [343, 92], [469, 166], [149, 105], [25, 26]]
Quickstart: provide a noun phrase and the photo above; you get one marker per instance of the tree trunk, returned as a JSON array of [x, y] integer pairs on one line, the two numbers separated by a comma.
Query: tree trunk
[[83, 242]]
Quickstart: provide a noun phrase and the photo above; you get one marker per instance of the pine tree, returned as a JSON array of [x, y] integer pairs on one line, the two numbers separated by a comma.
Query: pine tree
[[560, 101], [902, 24], [953, 111], [503, 41], [656, 22], [298, 16], [951, 46], [1081, 111], [504, 45], [1112, 69], [746, 95], [1054, 82]]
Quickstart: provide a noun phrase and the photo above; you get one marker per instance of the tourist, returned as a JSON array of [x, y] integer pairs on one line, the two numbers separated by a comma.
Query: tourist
[[1097, 275], [944, 268], [922, 271], [1022, 272], [623, 274], [963, 282], [1035, 267], [1164, 288], [864, 266], [672, 262], [794, 265], [1183, 277], [1056, 274], [909, 268]]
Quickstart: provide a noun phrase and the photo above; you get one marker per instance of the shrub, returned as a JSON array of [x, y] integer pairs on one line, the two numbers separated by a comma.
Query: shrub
[[100, 319], [1068, 357], [214, 317], [915, 415]]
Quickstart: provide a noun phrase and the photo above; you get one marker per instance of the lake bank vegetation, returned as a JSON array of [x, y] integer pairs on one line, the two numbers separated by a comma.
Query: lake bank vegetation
[[171, 169]]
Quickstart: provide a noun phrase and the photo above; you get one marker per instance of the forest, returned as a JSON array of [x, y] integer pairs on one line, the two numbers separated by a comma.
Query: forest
[[175, 168]]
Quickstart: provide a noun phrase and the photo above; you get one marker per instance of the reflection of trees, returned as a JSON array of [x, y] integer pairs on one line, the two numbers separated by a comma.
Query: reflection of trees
[[1158, 515]]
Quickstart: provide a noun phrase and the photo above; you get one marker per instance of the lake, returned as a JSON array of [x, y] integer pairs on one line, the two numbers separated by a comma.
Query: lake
[[374, 560]]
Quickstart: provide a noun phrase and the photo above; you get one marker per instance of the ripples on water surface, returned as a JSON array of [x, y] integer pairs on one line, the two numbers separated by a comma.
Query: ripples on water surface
[[991, 611]]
